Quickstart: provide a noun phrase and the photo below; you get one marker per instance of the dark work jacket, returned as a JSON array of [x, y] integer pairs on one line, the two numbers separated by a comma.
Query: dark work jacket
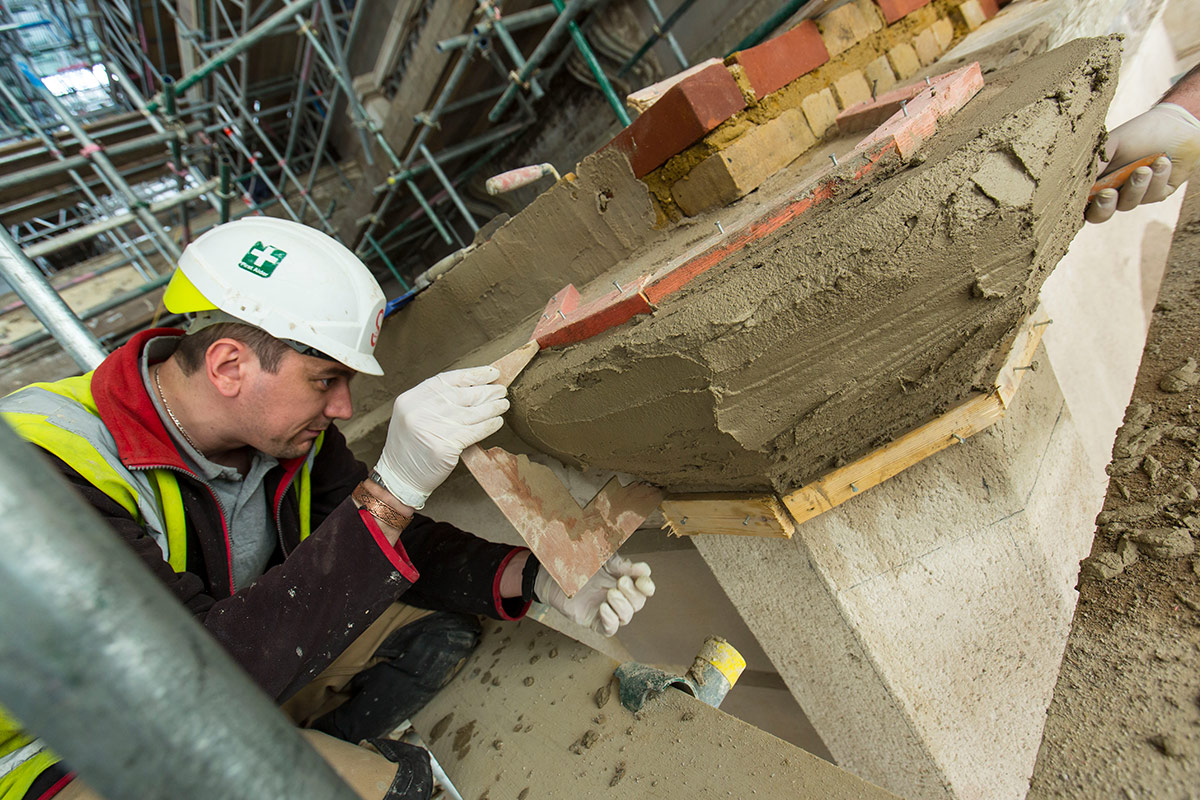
[[316, 596]]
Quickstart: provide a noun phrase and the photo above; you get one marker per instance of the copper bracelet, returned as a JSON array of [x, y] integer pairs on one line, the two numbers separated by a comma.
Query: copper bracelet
[[379, 509]]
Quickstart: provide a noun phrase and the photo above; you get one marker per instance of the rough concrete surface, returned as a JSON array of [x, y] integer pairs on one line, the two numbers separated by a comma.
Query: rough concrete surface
[[534, 714], [1125, 719], [848, 326]]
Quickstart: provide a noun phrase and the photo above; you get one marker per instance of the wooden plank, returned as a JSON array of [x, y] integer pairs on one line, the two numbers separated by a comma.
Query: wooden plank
[[535, 714], [953, 427], [1020, 354], [729, 513]]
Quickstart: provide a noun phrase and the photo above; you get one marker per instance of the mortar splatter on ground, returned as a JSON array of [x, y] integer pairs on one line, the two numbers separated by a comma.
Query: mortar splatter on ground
[[853, 324], [1125, 719]]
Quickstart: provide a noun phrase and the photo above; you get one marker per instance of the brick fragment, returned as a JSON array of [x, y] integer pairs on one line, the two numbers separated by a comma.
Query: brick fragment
[[991, 7], [820, 111], [851, 88], [742, 166], [904, 61], [842, 28], [896, 9], [880, 76], [943, 31], [683, 114], [777, 62], [926, 45]]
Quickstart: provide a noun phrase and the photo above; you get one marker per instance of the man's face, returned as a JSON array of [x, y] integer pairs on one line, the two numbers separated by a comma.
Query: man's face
[[288, 409]]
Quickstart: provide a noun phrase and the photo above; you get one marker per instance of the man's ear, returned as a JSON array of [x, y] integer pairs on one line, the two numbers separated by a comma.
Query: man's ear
[[228, 364]]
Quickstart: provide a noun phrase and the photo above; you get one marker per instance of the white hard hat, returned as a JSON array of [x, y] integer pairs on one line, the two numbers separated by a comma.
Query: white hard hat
[[293, 281]]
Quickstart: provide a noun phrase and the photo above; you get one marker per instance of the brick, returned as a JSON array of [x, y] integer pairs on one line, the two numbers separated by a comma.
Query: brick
[[880, 75], [851, 88], [742, 166], [842, 28], [991, 7], [904, 61], [820, 111], [870, 115], [870, 14], [642, 99], [971, 13], [777, 62], [926, 45], [943, 31], [684, 113], [907, 132], [896, 9]]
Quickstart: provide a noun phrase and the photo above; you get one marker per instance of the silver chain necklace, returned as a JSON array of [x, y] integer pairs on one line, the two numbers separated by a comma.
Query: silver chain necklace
[[170, 413]]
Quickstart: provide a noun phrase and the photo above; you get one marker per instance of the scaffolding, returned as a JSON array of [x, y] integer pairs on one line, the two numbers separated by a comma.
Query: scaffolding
[[128, 127]]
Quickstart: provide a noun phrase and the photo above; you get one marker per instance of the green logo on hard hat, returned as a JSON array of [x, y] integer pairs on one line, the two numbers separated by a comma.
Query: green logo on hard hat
[[262, 259]]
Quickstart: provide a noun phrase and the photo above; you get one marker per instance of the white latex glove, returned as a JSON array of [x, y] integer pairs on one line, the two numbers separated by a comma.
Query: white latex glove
[[607, 601], [432, 423], [1166, 128]]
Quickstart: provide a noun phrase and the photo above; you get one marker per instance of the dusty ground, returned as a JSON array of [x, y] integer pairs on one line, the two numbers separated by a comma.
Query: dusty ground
[[1125, 719]]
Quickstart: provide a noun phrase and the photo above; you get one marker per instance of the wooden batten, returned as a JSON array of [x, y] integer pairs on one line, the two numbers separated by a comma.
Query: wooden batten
[[738, 514], [952, 428]]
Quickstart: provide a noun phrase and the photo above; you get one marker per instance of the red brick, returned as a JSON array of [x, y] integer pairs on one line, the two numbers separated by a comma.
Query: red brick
[[873, 113], [906, 132], [687, 111], [896, 9], [777, 62], [990, 7]]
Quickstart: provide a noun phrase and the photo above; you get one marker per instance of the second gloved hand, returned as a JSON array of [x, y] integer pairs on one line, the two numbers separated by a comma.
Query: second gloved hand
[[432, 423], [1165, 128], [607, 601]]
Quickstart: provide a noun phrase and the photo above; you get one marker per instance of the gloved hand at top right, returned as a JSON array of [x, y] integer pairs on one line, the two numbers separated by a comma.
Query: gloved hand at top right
[[1165, 128]]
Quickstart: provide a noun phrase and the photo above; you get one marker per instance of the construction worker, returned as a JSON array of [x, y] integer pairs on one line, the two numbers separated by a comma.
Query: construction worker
[[1170, 127], [215, 456]]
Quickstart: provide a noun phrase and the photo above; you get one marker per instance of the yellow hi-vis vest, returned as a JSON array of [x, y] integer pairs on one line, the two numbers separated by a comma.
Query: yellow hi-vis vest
[[62, 418]]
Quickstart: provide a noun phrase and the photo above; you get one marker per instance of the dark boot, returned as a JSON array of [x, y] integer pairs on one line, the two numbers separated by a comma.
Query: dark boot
[[421, 658], [414, 776]]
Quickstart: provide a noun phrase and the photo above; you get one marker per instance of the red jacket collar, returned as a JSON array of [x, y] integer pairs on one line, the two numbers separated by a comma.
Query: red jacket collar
[[129, 413], [127, 410]]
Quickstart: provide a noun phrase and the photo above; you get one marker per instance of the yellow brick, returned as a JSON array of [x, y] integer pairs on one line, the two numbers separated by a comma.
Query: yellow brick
[[971, 14], [943, 31], [904, 61], [742, 166], [820, 110], [926, 45], [880, 75], [842, 28], [870, 14], [851, 88]]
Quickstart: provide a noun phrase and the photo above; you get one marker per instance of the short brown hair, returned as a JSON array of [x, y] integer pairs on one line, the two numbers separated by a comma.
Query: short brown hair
[[193, 346]]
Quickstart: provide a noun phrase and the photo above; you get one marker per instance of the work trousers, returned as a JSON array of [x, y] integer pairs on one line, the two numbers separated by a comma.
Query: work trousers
[[384, 677]]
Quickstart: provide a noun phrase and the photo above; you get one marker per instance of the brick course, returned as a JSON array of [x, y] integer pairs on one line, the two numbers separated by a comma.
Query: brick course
[[777, 62]]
